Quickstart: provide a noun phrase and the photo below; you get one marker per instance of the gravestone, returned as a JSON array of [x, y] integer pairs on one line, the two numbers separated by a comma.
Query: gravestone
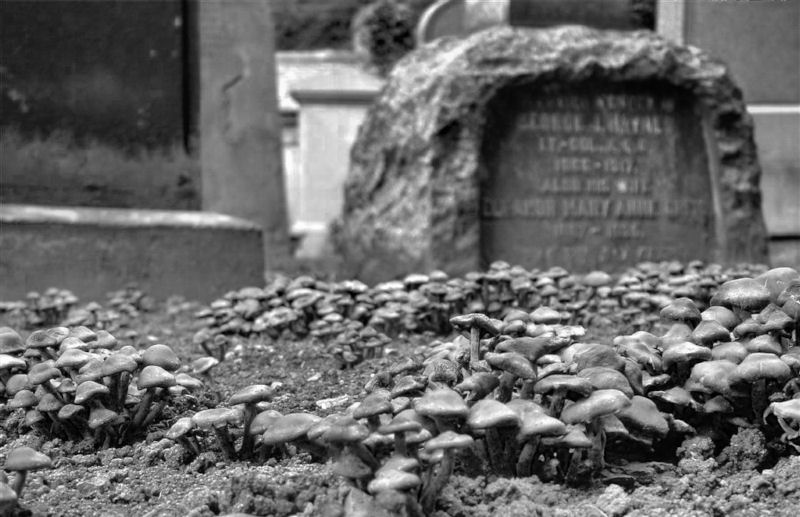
[[594, 177], [571, 146]]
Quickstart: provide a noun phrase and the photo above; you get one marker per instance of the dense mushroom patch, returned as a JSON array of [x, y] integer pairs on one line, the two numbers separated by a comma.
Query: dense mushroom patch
[[518, 381]]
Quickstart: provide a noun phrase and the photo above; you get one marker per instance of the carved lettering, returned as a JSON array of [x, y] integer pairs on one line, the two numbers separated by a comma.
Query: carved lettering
[[595, 179]]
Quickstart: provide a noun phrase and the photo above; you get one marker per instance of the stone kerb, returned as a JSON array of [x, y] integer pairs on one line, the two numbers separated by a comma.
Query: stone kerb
[[411, 199]]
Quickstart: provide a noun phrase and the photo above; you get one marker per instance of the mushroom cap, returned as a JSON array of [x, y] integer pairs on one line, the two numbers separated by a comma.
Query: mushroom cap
[[70, 410], [91, 371], [574, 439], [180, 428], [23, 399], [43, 372], [73, 358], [153, 376], [534, 421], [89, 389], [49, 403], [393, 480], [476, 319], [9, 362], [449, 440], [599, 403], [733, 351], [10, 341], [100, 416], [545, 316], [711, 377], [749, 328], [479, 383], [596, 279], [103, 340], [717, 404], [214, 417], [405, 421], [491, 413], [118, 363], [682, 309], [637, 349], [763, 343], [565, 383], [512, 363], [709, 332], [8, 498], [398, 462], [350, 466], [407, 384], [787, 409], [597, 354], [25, 459], [204, 364], [684, 353], [643, 416], [442, 402], [743, 293], [345, 430], [188, 382], [83, 333], [607, 378], [264, 420], [760, 365], [777, 279], [531, 348], [41, 339], [376, 403], [722, 315], [251, 394], [162, 356]]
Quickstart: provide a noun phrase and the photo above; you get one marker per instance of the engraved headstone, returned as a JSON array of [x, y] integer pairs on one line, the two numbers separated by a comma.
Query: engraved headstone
[[571, 146], [595, 177]]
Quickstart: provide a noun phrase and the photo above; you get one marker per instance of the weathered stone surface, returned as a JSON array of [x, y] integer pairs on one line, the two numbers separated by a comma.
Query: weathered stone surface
[[92, 251], [413, 195]]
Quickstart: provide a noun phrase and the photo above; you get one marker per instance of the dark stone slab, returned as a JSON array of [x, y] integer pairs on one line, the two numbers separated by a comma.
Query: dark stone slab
[[439, 143], [594, 177], [92, 251], [94, 105]]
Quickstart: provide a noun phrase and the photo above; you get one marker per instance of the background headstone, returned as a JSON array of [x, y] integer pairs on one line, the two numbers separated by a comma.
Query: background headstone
[[92, 96], [240, 128], [425, 155], [595, 177]]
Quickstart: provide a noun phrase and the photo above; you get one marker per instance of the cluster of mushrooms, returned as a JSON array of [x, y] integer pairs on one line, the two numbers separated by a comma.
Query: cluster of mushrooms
[[305, 306], [516, 384], [76, 383], [40, 309], [520, 393]]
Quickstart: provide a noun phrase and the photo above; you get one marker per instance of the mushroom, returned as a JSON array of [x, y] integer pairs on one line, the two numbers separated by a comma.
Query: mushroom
[[589, 410], [249, 396], [786, 412], [499, 423], [477, 324], [444, 406], [23, 460], [534, 423], [448, 442], [218, 419], [155, 380]]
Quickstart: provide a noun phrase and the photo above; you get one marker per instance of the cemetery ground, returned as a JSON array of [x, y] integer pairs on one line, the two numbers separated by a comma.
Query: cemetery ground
[[154, 477]]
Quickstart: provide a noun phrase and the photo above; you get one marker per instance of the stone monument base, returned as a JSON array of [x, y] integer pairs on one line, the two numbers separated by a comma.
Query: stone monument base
[[92, 251]]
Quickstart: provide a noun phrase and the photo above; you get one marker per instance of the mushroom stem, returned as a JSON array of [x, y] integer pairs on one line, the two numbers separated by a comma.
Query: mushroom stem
[[474, 344], [506, 388], [494, 445], [144, 406], [400, 445], [225, 442], [123, 382], [248, 440], [154, 411], [527, 457], [19, 482], [436, 482]]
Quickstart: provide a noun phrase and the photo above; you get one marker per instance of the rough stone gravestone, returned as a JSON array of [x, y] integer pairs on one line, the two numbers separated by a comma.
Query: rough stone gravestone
[[570, 146]]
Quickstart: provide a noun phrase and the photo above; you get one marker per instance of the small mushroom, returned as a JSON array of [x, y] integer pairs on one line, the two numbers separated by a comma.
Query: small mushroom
[[23, 460]]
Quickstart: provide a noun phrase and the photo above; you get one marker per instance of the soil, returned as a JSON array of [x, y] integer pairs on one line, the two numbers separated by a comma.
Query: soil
[[153, 477]]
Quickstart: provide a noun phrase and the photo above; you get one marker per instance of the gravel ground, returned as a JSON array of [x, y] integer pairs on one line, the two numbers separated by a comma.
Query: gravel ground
[[152, 478]]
